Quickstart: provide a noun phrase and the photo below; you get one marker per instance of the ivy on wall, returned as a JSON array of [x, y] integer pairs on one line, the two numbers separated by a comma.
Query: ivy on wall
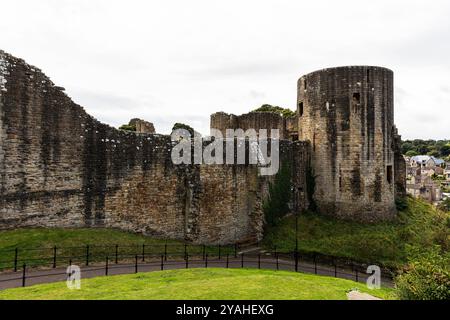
[[277, 203]]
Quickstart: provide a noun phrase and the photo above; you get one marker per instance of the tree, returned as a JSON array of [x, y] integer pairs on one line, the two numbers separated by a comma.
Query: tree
[[407, 146], [445, 150], [183, 126], [284, 112], [411, 153]]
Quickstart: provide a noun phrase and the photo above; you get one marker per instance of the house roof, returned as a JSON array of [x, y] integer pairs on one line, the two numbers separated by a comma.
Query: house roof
[[423, 159]]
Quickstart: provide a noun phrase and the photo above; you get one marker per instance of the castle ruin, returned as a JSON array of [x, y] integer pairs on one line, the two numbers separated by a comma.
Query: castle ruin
[[60, 167]]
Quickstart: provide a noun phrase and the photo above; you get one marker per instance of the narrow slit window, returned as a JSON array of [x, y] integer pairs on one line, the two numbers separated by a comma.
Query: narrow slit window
[[389, 174], [300, 108]]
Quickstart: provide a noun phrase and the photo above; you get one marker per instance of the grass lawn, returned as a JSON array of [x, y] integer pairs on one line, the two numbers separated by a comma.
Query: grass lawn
[[419, 225], [211, 284], [36, 245]]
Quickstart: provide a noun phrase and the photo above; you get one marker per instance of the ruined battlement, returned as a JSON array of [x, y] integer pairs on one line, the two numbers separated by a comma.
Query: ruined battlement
[[60, 167], [256, 120]]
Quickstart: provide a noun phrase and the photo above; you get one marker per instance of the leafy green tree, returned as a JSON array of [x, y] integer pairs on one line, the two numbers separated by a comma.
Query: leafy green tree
[[445, 150], [183, 126], [411, 153], [287, 113], [407, 146]]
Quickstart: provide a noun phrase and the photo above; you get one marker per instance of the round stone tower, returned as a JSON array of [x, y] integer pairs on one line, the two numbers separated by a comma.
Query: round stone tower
[[347, 115]]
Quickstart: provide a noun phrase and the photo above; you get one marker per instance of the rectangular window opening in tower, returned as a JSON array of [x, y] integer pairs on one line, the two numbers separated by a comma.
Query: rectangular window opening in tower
[[356, 97], [300, 109], [389, 174]]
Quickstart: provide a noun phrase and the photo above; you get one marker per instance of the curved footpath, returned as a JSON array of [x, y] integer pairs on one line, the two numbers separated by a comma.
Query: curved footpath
[[34, 276]]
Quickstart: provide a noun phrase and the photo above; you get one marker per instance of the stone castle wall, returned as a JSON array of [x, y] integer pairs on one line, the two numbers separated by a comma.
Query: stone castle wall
[[59, 167], [347, 115], [256, 120]]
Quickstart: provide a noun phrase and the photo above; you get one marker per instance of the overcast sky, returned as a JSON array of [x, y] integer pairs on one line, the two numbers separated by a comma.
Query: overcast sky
[[179, 61]]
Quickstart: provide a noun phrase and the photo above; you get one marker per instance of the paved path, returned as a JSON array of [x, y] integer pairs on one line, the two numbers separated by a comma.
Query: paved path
[[14, 279], [356, 295]]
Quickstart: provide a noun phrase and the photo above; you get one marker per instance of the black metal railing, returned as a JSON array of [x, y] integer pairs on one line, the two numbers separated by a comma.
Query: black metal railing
[[150, 259]]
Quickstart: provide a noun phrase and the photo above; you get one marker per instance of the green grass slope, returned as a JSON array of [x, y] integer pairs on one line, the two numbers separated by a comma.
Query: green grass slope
[[36, 245], [210, 284], [419, 226]]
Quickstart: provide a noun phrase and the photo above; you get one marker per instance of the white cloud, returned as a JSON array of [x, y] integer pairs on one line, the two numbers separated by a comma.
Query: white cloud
[[180, 61]]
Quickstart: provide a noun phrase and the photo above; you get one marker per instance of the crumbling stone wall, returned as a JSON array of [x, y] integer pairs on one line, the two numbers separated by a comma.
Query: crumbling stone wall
[[62, 168], [142, 126], [256, 120], [346, 114]]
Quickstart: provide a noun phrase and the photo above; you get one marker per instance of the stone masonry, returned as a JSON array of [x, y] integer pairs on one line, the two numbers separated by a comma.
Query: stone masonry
[[347, 114], [60, 167]]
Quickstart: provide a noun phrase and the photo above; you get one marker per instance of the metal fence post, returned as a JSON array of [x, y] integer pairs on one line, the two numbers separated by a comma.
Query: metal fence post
[[162, 262], [165, 252], [335, 270], [259, 260], [187, 261], [219, 253], [278, 265], [106, 266], [87, 255], [135, 264], [185, 251], [16, 256], [54, 257], [143, 253], [242, 260], [23, 275], [296, 261], [206, 260], [315, 264], [228, 260], [117, 253]]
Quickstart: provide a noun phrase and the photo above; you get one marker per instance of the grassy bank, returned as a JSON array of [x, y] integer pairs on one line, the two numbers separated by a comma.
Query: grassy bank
[[419, 226], [36, 246], [210, 284]]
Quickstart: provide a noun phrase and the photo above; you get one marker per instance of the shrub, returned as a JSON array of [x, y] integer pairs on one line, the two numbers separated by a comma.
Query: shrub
[[127, 127], [285, 112], [178, 125], [401, 203], [426, 277]]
